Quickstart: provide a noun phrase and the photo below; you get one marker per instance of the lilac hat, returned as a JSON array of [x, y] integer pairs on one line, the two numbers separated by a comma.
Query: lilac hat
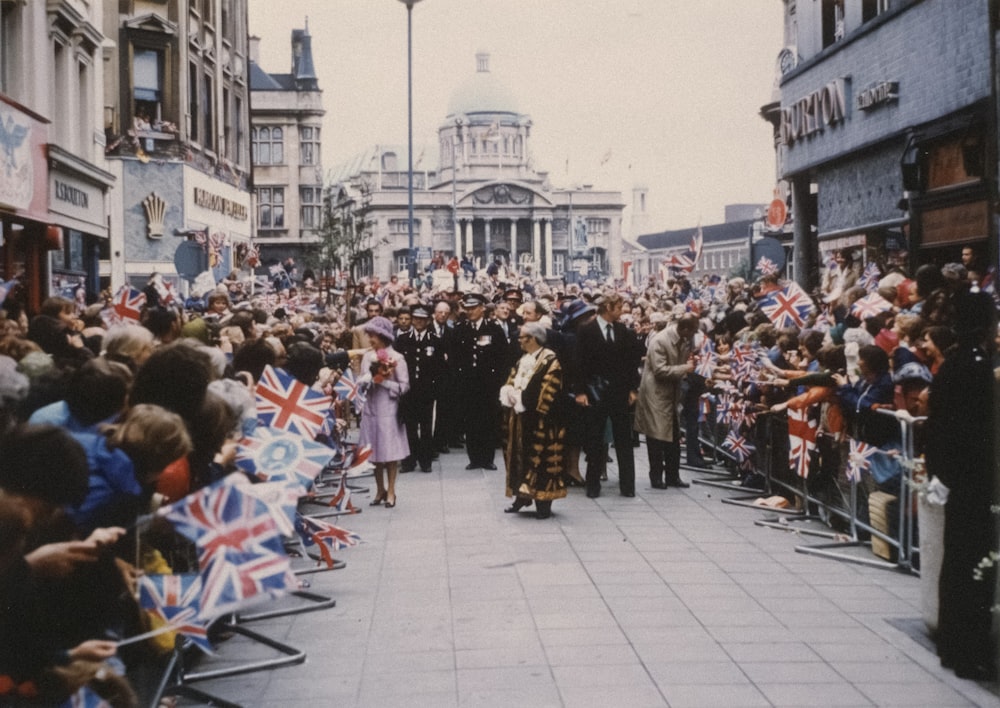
[[382, 327]]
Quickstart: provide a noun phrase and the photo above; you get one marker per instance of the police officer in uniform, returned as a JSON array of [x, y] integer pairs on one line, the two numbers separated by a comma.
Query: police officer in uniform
[[421, 348], [479, 356]]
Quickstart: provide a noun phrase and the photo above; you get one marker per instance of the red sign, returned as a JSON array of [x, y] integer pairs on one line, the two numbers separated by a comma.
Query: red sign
[[777, 212]]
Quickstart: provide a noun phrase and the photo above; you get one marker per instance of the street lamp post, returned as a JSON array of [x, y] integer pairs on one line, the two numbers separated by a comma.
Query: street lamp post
[[411, 260]]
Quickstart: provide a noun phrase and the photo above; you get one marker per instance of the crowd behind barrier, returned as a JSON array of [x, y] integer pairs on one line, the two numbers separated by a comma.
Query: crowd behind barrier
[[142, 434]]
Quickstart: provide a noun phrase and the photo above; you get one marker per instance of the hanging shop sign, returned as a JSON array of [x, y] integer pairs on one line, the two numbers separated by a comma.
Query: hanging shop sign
[[954, 224], [823, 108], [23, 164]]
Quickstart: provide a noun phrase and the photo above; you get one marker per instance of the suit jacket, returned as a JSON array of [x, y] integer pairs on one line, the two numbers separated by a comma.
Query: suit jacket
[[480, 355], [424, 359], [617, 362]]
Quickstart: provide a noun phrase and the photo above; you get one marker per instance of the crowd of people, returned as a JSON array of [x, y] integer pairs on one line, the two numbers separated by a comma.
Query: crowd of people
[[105, 420]]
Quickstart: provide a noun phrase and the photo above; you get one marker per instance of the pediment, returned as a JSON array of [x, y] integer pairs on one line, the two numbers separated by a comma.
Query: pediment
[[503, 194], [151, 22]]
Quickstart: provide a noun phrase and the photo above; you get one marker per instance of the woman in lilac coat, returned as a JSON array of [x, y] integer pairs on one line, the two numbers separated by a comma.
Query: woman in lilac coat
[[385, 379]]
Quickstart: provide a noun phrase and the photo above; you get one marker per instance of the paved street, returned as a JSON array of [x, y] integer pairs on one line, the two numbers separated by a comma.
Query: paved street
[[670, 598]]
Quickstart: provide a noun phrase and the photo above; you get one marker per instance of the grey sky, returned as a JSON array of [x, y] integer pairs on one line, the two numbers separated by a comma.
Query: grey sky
[[669, 89]]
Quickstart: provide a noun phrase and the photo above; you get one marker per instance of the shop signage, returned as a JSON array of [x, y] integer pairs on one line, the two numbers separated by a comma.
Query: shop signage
[[824, 107], [69, 194], [214, 202], [878, 94], [955, 224], [23, 167]]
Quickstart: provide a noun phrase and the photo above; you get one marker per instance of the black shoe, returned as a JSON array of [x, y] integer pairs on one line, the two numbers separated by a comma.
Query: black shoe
[[407, 468], [574, 482], [542, 514], [489, 466], [628, 494], [426, 469], [679, 483], [443, 450], [658, 485], [473, 466], [518, 504], [699, 465], [593, 494]]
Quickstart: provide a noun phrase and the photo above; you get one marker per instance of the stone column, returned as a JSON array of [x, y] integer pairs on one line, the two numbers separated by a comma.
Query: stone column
[[468, 236], [513, 243], [536, 246], [548, 249], [458, 237], [804, 257], [487, 242]]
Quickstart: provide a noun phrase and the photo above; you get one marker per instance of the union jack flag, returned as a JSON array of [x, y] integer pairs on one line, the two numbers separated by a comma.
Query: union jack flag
[[801, 440], [273, 455], [174, 600], [342, 499], [704, 407], [241, 557], [765, 266], [869, 306], [328, 538], [723, 408], [738, 445], [859, 458], [346, 387], [697, 242], [870, 277], [680, 261], [128, 303], [705, 359], [286, 403], [357, 462], [788, 307], [281, 499]]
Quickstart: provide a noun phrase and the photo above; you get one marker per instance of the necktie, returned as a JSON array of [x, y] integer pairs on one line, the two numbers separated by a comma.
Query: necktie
[[610, 332]]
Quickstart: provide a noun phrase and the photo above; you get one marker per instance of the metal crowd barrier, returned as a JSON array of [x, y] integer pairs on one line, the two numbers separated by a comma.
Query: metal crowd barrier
[[904, 541]]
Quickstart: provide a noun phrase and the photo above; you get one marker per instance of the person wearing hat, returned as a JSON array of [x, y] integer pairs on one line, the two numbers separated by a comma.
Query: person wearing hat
[[480, 357], [514, 297], [562, 340], [421, 348], [386, 380]]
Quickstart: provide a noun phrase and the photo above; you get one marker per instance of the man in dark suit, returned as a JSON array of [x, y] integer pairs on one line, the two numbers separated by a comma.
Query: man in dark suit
[[421, 348], [480, 355], [447, 428], [608, 358]]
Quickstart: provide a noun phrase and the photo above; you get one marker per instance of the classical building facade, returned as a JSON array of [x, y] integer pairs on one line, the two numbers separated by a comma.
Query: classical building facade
[[286, 117], [885, 129], [54, 180], [485, 197], [177, 120]]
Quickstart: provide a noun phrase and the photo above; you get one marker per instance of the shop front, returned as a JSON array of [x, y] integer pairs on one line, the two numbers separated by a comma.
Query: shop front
[[78, 205], [27, 235]]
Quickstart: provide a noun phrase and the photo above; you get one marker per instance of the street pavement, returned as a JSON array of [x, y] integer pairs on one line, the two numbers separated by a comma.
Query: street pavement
[[671, 598]]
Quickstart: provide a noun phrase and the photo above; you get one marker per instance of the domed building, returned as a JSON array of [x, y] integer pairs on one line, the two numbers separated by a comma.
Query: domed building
[[484, 198]]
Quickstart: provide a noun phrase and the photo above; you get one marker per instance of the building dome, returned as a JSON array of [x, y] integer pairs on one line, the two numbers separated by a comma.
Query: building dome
[[482, 92]]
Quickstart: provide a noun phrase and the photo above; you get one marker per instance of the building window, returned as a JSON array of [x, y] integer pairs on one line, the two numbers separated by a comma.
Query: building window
[[870, 9], [271, 208], [10, 48], [208, 104], [311, 206], [389, 162], [833, 21], [147, 83], [268, 146], [401, 227], [309, 145], [194, 104], [558, 264], [237, 155]]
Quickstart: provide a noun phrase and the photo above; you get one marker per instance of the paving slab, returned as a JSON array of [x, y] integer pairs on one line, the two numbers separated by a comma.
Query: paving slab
[[666, 599]]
